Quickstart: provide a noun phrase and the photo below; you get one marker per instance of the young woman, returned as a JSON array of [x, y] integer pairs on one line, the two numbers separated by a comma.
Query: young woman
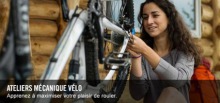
[[164, 56]]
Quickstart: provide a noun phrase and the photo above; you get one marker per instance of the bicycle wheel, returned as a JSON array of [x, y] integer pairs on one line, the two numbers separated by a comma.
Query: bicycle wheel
[[15, 53], [118, 81], [23, 67], [6, 57]]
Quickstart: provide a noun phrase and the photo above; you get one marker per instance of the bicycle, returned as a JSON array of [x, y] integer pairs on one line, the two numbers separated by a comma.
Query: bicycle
[[84, 37], [15, 53]]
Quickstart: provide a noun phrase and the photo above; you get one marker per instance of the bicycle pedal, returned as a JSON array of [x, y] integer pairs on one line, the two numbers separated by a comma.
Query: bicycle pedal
[[120, 60]]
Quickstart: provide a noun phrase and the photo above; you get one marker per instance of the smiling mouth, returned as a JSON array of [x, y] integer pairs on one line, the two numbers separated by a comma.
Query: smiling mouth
[[151, 28]]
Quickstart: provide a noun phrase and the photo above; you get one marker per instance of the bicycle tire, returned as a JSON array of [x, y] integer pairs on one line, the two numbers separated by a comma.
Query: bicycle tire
[[92, 72], [11, 56], [92, 75], [22, 45]]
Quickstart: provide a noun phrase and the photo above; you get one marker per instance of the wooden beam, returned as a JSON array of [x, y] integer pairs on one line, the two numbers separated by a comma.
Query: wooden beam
[[39, 27], [83, 4], [207, 13], [72, 3], [44, 9], [43, 45], [39, 64], [206, 29], [206, 45], [206, 1]]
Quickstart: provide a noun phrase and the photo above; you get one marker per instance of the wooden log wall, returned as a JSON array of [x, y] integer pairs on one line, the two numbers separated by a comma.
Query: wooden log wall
[[206, 43], [44, 27], [210, 41]]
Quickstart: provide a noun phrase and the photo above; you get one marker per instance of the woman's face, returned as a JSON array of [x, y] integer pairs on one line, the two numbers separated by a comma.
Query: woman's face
[[155, 20]]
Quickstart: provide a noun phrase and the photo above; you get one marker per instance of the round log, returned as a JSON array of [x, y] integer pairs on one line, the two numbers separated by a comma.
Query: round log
[[83, 4], [72, 3], [207, 13], [39, 63], [44, 9], [217, 30], [204, 41], [206, 46], [43, 45], [206, 1], [39, 27], [207, 50], [4, 15], [206, 29]]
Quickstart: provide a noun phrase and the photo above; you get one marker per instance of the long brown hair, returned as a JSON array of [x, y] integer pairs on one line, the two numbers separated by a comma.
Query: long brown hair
[[178, 34]]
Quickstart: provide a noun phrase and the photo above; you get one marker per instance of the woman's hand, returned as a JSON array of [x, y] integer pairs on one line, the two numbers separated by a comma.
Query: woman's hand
[[136, 46], [136, 68], [133, 54]]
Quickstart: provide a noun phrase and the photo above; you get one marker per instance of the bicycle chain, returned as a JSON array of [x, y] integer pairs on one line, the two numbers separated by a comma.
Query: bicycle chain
[[94, 12]]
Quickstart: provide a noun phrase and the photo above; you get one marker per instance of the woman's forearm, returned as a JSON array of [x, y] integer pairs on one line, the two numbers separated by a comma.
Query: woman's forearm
[[136, 68], [151, 56]]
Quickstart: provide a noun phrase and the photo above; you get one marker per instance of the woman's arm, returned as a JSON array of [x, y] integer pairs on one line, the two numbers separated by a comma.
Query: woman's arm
[[179, 74], [182, 70], [138, 85], [175, 76], [136, 68], [139, 46]]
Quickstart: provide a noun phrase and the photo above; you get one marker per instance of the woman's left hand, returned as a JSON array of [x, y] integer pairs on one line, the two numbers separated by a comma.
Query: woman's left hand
[[136, 44]]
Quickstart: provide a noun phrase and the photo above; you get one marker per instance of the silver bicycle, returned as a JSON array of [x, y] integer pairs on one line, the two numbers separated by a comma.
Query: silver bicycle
[[85, 39]]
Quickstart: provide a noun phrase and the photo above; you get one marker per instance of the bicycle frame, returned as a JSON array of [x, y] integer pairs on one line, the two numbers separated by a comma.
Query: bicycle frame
[[68, 41]]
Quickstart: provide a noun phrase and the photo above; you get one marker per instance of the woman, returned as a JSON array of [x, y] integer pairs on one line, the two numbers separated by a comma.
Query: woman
[[164, 56]]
